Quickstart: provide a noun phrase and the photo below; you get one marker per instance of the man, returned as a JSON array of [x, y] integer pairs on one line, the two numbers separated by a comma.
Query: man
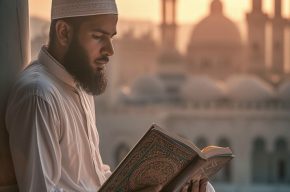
[[50, 116]]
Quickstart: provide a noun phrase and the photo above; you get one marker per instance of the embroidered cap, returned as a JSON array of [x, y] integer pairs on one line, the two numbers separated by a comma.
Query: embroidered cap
[[78, 8]]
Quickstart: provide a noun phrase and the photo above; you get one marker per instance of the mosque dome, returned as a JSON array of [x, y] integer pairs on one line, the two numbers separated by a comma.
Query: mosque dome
[[216, 28], [284, 91], [202, 88], [249, 88], [148, 87]]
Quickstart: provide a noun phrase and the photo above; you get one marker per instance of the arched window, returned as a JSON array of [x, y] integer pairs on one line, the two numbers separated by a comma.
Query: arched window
[[281, 145], [201, 142], [260, 161], [281, 161], [121, 151], [224, 175], [281, 170], [223, 142], [259, 145]]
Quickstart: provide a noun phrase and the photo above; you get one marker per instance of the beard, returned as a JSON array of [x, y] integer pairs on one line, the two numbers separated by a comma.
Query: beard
[[76, 62]]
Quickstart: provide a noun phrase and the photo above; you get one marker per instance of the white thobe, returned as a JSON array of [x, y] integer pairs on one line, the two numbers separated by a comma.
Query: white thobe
[[53, 137]]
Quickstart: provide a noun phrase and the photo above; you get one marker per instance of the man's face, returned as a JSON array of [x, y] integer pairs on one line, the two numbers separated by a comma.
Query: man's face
[[89, 52]]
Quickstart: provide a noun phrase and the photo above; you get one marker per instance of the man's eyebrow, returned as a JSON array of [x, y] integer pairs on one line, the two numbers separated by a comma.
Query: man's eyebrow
[[104, 32]]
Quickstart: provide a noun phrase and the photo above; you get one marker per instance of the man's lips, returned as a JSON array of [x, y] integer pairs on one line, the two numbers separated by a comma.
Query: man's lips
[[99, 66], [100, 63], [103, 60]]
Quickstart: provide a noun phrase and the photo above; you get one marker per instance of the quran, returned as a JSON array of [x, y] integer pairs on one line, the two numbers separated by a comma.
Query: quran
[[163, 158]]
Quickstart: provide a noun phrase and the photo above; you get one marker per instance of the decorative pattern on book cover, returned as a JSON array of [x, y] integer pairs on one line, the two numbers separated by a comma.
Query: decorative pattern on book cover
[[156, 159]]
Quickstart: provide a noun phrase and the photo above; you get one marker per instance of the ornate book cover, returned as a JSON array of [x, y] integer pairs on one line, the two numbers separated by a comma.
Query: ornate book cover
[[158, 158]]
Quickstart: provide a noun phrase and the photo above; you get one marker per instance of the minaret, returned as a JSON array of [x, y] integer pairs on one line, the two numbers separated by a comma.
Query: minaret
[[216, 7], [256, 20], [278, 39], [170, 66], [168, 26]]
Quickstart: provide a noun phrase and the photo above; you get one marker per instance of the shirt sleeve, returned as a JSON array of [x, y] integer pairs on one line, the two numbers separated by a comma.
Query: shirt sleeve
[[33, 130], [106, 170]]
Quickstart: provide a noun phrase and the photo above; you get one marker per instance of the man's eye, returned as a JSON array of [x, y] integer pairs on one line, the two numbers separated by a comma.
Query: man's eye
[[97, 36]]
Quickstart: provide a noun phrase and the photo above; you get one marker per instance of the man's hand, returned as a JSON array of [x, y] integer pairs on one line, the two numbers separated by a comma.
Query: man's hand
[[197, 186]]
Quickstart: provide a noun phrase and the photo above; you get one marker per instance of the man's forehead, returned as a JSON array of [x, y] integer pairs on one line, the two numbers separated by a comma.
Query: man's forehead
[[102, 23]]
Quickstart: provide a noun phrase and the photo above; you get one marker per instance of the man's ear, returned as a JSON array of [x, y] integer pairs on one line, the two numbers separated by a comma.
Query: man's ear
[[64, 33]]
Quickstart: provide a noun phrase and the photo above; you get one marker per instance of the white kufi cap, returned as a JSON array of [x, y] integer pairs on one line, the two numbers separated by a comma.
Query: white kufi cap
[[77, 8]]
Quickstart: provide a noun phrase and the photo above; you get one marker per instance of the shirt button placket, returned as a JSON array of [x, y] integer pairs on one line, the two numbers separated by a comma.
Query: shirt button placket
[[92, 146]]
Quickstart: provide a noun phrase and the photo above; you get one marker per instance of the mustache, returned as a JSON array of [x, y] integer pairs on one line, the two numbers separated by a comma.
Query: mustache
[[103, 59]]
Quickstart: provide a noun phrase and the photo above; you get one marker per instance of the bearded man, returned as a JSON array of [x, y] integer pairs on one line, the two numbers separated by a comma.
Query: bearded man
[[51, 116]]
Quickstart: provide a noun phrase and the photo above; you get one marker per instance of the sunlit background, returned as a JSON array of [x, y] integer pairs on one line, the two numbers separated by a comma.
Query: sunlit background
[[189, 11], [218, 74]]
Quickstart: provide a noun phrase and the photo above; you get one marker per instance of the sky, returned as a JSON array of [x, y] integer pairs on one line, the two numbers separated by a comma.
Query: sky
[[188, 11]]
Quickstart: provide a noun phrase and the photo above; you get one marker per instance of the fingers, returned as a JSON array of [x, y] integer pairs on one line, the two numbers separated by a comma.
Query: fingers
[[185, 188], [158, 188], [202, 185], [194, 186], [198, 186]]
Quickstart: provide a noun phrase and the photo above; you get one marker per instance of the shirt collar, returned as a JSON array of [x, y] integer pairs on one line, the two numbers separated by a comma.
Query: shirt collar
[[55, 67]]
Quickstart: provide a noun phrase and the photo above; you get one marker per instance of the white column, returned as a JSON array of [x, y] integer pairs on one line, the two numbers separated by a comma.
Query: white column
[[14, 55]]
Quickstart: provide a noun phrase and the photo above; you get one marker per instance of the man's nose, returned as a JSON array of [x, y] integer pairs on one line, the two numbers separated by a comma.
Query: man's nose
[[108, 49]]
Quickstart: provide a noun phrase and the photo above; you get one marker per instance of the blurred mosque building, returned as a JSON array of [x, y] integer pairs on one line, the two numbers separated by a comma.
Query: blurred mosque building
[[220, 91], [215, 47]]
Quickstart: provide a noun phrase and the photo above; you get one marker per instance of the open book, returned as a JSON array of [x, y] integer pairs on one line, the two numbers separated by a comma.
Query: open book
[[160, 157]]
